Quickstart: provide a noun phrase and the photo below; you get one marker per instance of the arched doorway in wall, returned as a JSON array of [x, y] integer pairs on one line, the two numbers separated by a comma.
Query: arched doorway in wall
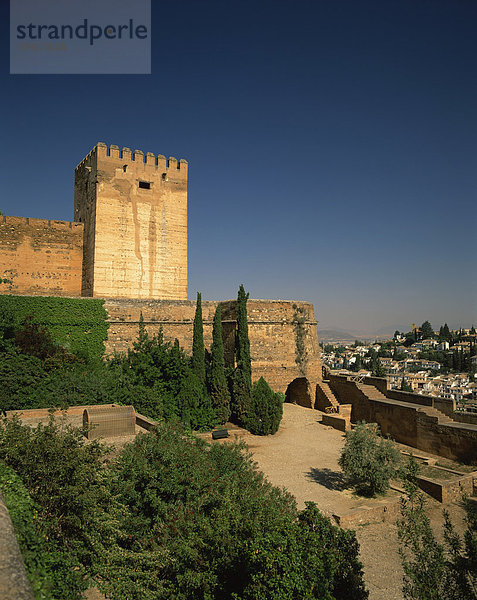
[[299, 392]]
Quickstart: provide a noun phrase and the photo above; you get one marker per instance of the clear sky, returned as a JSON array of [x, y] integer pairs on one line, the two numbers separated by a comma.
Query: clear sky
[[332, 149]]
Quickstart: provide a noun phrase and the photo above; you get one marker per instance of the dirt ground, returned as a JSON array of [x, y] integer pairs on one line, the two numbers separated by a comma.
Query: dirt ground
[[303, 457]]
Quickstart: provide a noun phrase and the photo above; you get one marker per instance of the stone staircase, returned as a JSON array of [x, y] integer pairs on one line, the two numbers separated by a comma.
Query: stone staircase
[[326, 400], [370, 391], [374, 394], [430, 411]]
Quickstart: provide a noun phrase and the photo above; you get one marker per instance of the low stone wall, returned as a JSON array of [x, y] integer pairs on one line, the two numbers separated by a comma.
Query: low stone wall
[[465, 417], [444, 405], [409, 397], [385, 511], [44, 413], [448, 491], [145, 423], [336, 421], [14, 584], [380, 383]]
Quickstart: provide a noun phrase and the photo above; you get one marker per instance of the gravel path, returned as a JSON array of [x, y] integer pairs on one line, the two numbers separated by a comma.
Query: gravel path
[[303, 457]]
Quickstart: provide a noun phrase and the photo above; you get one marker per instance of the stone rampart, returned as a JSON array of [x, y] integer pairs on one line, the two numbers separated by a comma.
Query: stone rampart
[[40, 257], [283, 336], [407, 422]]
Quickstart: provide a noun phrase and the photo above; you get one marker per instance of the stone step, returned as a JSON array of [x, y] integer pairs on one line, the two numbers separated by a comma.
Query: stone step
[[433, 412], [328, 392]]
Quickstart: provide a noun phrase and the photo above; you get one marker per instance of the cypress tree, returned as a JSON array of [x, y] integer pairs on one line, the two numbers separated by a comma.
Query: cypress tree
[[219, 391], [242, 379], [446, 333], [198, 350]]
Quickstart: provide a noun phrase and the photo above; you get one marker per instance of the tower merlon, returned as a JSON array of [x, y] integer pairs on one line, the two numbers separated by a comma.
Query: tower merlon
[[114, 151], [148, 159]]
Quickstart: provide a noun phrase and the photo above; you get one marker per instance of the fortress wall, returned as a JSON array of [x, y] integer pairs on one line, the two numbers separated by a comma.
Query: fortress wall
[[134, 207], [402, 421], [272, 332], [446, 406], [40, 256]]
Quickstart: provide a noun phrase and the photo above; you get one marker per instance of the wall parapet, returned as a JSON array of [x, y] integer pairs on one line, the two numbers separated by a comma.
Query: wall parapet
[[33, 222], [125, 155]]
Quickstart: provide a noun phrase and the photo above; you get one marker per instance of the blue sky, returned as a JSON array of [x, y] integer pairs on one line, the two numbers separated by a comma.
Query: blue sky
[[331, 143]]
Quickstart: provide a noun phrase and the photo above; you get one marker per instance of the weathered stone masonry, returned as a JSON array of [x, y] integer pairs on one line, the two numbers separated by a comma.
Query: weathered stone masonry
[[40, 256], [134, 208], [272, 333]]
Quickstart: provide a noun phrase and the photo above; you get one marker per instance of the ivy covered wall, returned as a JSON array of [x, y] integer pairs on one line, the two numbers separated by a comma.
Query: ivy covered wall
[[78, 324]]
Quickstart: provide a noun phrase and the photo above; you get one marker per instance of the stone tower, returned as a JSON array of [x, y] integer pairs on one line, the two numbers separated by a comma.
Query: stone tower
[[134, 211]]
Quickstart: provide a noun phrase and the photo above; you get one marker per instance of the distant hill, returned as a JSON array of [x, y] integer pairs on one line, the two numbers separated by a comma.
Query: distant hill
[[329, 336], [339, 335]]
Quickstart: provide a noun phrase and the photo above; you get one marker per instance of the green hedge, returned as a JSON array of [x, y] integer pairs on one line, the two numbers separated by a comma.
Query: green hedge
[[77, 324], [23, 513]]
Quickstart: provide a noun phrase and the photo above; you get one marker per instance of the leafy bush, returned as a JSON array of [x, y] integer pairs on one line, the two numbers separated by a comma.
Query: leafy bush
[[368, 460], [217, 379], [266, 409], [172, 518], [204, 523], [64, 476], [23, 512], [195, 405], [175, 392], [434, 571], [69, 488]]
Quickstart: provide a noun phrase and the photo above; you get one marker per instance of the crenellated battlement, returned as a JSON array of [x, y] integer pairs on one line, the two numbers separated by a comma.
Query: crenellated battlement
[[32, 222], [126, 156]]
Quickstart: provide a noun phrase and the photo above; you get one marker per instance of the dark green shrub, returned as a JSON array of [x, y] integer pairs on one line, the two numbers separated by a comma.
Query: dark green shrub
[[76, 514], [218, 388], [63, 475], [204, 523], [165, 370], [368, 460], [51, 571], [195, 406], [198, 350], [242, 377], [266, 409], [20, 375]]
